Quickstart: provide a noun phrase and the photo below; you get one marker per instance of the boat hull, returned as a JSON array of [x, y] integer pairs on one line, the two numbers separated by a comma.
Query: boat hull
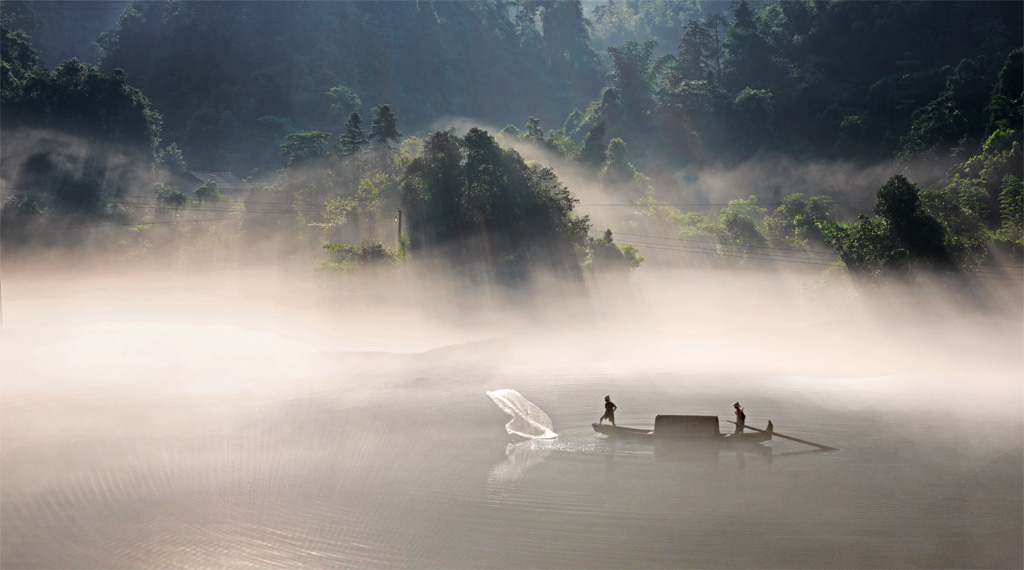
[[651, 436]]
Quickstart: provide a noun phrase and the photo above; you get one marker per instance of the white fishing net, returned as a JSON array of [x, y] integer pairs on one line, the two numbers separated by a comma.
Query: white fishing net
[[527, 419]]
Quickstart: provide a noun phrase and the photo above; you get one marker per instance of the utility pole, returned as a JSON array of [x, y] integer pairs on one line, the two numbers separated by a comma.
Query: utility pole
[[399, 218]]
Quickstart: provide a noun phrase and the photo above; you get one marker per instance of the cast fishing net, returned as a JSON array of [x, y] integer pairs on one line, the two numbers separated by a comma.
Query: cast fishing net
[[527, 419]]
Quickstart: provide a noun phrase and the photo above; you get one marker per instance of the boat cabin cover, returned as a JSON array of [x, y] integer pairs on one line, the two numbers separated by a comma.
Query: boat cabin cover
[[686, 426]]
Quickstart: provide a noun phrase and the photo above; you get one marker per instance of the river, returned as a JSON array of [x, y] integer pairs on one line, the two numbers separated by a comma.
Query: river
[[166, 442]]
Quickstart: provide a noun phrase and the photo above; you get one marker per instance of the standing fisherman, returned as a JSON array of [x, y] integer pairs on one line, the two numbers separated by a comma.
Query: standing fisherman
[[609, 411], [741, 417]]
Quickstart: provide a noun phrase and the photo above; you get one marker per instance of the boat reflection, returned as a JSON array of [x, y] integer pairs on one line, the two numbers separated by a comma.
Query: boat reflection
[[688, 452], [700, 452]]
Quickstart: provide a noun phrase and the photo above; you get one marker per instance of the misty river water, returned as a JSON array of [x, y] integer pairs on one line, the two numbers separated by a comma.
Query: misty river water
[[146, 444]]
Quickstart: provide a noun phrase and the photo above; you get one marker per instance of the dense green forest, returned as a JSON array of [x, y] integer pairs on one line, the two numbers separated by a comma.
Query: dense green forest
[[341, 114]]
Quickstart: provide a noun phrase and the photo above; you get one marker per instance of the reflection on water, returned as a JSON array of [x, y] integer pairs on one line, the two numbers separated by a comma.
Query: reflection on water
[[520, 458]]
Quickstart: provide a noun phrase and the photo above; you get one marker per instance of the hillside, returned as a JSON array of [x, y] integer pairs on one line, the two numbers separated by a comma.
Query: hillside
[[232, 78]]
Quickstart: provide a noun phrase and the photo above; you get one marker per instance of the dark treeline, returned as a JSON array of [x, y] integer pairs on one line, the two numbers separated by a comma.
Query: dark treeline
[[862, 81], [307, 96], [232, 78], [65, 29]]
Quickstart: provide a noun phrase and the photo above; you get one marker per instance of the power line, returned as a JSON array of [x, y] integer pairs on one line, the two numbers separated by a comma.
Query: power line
[[114, 225], [812, 251], [765, 255], [781, 259], [707, 204], [759, 257]]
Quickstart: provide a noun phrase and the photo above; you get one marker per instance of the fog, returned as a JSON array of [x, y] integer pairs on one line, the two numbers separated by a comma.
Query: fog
[[178, 397], [270, 416]]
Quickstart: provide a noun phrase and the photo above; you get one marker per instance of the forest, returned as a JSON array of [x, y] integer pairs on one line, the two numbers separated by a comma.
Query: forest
[[504, 140]]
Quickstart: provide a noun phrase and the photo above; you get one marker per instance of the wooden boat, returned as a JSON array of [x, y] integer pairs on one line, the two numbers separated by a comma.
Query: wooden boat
[[685, 429]]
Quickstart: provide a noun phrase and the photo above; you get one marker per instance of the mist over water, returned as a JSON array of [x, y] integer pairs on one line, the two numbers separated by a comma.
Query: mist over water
[[253, 419]]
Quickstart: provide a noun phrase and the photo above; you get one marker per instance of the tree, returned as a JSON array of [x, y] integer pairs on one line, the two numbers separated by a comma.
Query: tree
[[957, 113], [533, 130], [384, 127], [19, 61], [752, 112], [799, 220], [902, 236], [634, 72], [344, 101], [567, 38], [354, 137], [738, 226], [1011, 201], [898, 205], [1006, 109], [489, 213], [170, 159], [714, 24], [748, 61], [605, 256], [305, 146], [592, 150], [368, 253], [697, 41], [618, 170], [207, 192]]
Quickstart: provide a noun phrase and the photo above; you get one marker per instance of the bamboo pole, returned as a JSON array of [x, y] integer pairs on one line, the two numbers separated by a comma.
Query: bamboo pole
[[777, 434]]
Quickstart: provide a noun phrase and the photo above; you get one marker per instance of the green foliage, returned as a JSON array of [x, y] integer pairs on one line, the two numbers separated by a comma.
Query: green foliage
[[19, 61], [22, 222], [556, 141], [354, 137], [573, 123], [615, 22], [799, 220], [695, 48], [738, 224], [619, 171], [480, 208], [171, 197], [170, 159], [978, 182], [867, 249], [207, 192], [851, 80], [958, 112], [634, 74], [898, 205], [384, 129], [592, 150], [533, 130], [305, 146], [605, 256], [753, 115], [1011, 203], [367, 253], [315, 63], [74, 99], [344, 101], [63, 31], [903, 235], [1006, 109]]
